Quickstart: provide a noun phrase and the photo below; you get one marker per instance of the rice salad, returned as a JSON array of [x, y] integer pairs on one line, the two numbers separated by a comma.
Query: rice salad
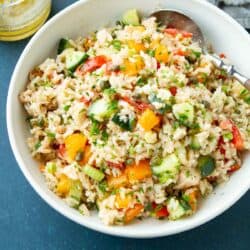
[[134, 121]]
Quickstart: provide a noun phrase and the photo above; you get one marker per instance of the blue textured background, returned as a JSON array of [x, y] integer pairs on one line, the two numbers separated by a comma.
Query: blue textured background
[[27, 222]]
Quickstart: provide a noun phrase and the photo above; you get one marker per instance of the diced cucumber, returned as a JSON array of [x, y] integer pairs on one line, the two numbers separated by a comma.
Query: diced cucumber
[[195, 145], [93, 173], [76, 190], [168, 169], [165, 106], [175, 209], [184, 113], [126, 124], [102, 109], [169, 164], [63, 44], [74, 58], [206, 165], [181, 153], [131, 17], [51, 167]]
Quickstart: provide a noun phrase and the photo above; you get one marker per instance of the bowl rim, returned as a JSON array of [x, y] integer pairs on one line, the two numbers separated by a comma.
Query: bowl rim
[[67, 212]]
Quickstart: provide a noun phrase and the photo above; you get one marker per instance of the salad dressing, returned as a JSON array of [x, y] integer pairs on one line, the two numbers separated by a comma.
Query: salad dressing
[[21, 18]]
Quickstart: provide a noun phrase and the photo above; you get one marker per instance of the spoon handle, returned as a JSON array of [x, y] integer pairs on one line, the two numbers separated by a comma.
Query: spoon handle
[[231, 71]]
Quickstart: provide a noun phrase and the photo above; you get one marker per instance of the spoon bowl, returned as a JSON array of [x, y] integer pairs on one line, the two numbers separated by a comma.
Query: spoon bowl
[[177, 20]]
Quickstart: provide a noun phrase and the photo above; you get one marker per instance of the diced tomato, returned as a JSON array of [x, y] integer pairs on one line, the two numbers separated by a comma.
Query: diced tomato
[[186, 34], [163, 212], [179, 52], [172, 31], [234, 168], [84, 100], [139, 105], [173, 90], [158, 65], [92, 64], [160, 211], [237, 138], [61, 150], [222, 55], [119, 165]]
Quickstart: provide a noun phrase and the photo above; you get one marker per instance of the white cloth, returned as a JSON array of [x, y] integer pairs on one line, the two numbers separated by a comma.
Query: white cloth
[[238, 9]]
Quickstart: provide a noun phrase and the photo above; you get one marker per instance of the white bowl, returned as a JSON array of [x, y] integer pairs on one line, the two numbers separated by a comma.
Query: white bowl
[[84, 16]]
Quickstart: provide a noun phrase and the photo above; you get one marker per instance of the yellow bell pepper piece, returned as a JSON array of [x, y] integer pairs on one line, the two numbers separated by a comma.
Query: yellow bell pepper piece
[[122, 202], [73, 144], [161, 53], [138, 172], [63, 185], [133, 67], [148, 120], [119, 181], [154, 44], [132, 44], [132, 213]]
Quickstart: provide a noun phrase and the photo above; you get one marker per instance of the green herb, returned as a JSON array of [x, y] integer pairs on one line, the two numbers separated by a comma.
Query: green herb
[[185, 204], [116, 44], [151, 52], [103, 186], [38, 145], [149, 207], [141, 81], [51, 135], [126, 124], [94, 129], [110, 92], [40, 122], [129, 161], [66, 107], [104, 136]]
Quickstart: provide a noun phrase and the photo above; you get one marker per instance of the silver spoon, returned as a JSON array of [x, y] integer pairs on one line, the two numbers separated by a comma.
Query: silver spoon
[[178, 20]]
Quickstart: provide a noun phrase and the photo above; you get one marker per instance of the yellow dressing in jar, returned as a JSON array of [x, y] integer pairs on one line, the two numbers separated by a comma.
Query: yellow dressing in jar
[[21, 18]]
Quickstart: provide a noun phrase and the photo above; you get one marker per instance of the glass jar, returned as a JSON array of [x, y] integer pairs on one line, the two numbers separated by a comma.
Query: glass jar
[[21, 18]]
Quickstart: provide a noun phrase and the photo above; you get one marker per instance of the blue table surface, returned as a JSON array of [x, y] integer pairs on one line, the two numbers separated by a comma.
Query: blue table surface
[[27, 222]]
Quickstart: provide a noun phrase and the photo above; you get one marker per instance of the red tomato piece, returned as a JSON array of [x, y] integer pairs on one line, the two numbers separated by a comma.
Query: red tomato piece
[[163, 212], [61, 150], [92, 64], [84, 100], [233, 168], [222, 55], [119, 165], [173, 90], [179, 52], [172, 31], [237, 138], [186, 34], [139, 105]]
